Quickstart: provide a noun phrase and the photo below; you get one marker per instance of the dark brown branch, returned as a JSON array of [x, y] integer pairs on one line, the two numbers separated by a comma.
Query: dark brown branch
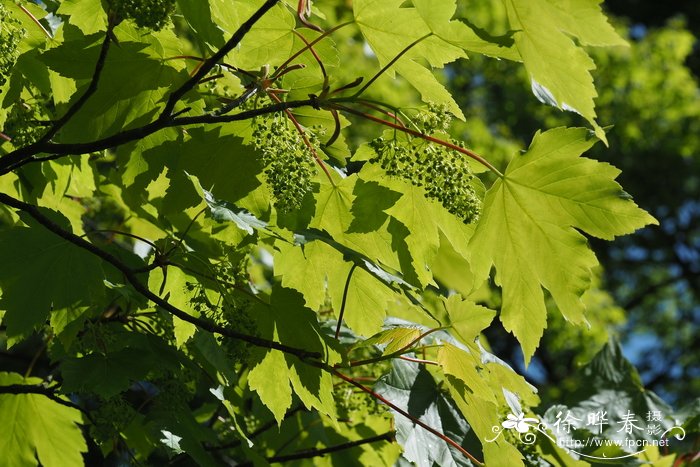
[[22, 156], [214, 60], [132, 277], [92, 88], [311, 453], [19, 157]]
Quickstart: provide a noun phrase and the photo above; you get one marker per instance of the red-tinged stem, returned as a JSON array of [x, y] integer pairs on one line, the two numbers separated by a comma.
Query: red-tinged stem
[[303, 10], [316, 57], [301, 131], [385, 112], [34, 18], [309, 45], [399, 353], [432, 430], [418, 134]]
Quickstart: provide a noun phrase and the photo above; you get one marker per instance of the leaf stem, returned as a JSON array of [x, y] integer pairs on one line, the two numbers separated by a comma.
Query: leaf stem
[[418, 134], [35, 20], [306, 47], [210, 63], [302, 133], [345, 298], [390, 64]]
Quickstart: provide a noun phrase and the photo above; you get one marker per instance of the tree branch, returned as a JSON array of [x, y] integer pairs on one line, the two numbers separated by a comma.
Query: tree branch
[[92, 88], [19, 157], [206, 67], [638, 298], [22, 156], [311, 453], [131, 277]]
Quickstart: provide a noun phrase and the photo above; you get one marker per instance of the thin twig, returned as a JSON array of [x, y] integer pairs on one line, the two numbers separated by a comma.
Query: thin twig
[[210, 63], [311, 453], [305, 48], [391, 63], [22, 156], [316, 57], [302, 133], [92, 88], [398, 354]]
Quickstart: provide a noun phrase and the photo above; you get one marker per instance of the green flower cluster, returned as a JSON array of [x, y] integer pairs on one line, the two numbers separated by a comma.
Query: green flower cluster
[[436, 119], [443, 173], [111, 417], [288, 162], [149, 14], [11, 33], [25, 123]]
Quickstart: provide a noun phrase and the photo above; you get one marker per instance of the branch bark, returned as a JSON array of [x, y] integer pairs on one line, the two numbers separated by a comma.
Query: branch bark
[[311, 453]]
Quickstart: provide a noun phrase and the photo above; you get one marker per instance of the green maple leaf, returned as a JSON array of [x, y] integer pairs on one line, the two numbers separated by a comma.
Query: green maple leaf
[[437, 15], [70, 278], [315, 269], [88, 15], [286, 320], [559, 68], [528, 229], [413, 389], [269, 42], [35, 426], [389, 29], [466, 318]]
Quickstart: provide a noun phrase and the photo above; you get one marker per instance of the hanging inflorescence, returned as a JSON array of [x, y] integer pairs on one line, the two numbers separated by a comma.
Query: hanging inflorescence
[[11, 33], [443, 172], [288, 162]]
